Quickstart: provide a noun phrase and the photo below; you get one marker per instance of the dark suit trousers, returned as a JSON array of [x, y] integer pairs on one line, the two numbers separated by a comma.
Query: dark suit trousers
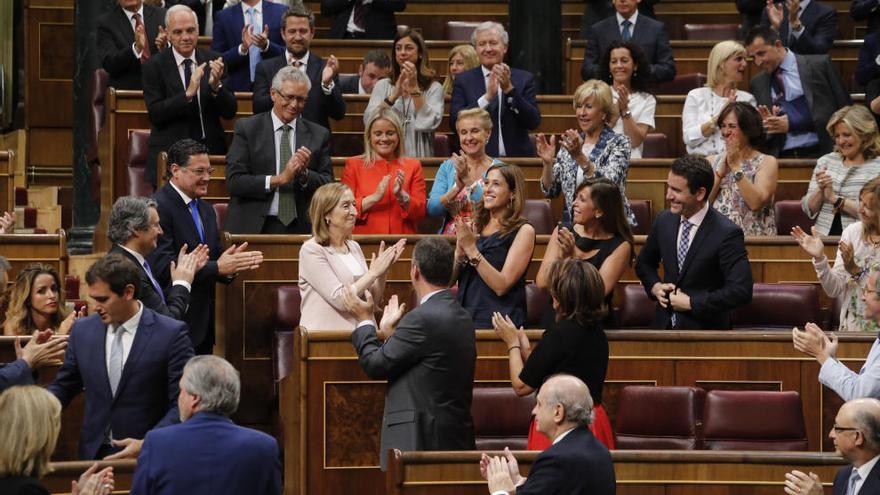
[[274, 226]]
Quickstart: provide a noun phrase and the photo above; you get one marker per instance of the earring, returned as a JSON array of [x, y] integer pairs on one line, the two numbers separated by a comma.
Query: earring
[[327, 220]]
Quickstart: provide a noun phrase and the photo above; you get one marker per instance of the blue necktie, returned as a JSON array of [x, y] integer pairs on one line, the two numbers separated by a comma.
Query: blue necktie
[[153, 281], [253, 50], [194, 211], [853, 479], [626, 32]]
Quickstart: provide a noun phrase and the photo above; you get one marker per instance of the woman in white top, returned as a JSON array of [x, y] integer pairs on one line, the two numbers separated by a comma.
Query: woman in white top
[[699, 118], [412, 93], [331, 261], [629, 87]]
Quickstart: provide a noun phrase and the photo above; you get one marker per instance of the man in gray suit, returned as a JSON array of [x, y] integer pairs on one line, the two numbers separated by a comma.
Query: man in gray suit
[[797, 94], [276, 162], [427, 356]]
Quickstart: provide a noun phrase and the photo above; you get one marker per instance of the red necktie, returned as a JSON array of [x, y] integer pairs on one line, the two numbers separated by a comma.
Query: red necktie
[[145, 53]]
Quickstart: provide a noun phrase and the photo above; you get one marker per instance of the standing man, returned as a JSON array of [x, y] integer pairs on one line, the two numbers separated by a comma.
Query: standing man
[[376, 65], [246, 34], [185, 91], [508, 94], [207, 453], [856, 436], [807, 27], [134, 230], [427, 356], [576, 462], [797, 94], [363, 19], [325, 96], [186, 220], [127, 358], [706, 271], [628, 24], [128, 35], [276, 162]]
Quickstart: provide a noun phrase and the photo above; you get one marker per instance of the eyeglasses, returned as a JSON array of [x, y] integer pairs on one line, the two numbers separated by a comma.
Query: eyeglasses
[[200, 172], [838, 429], [294, 98]]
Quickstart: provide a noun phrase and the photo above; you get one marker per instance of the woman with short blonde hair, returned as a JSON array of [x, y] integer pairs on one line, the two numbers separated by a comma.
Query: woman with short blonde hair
[[461, 58]]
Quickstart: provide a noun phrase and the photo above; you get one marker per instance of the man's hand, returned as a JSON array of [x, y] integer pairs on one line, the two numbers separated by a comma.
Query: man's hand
[[774, 14], [161, 38], [216, 76], [777, 124], [7, 222], [331, 68], [195, 80], [261, 40], [492, 87], [390, 317], [813, 342], [297, 164], [236, 259], [661, 293], [679, 300], [799, 483], [38, 354], [502, 74], [131, 448], [246, 39], [793, 7], [140, 38], [498, 476], [185, 268], [361, 309]]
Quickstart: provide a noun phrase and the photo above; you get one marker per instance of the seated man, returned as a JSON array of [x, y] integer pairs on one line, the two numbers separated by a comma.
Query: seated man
[[856, 436], [706, 272], [807, 27], [376, 65], [629, 25], [245, 34], [576, 462], [128, 34], [207, 453]]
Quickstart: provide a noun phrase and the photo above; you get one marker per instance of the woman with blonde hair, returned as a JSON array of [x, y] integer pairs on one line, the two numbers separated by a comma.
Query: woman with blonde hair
[[461, 58], [594, 150], [458, 183], [858, 254], [699, 117], [412, 93], [389, 190], [494, 250], [36, 302], [31, 423], [330, 261], [833, 195]]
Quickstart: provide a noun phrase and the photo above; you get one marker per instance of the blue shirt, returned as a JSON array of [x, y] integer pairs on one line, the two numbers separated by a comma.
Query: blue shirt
[[791, 77]]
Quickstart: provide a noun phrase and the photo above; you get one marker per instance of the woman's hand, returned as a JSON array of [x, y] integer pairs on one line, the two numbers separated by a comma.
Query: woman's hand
[[622, 98], [826, 184], [546, 148], [733, 154], [382, 188], [466, 237], [379, 264], [573, 143], [565, 239], [812, 244], [412, 81], [401, 195], [94, 483], [461, 170], [505, 329], [67, 323], [847, 254]]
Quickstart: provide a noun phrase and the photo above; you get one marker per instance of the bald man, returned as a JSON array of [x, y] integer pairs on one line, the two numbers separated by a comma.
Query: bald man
[[856, 436], [576, 462]]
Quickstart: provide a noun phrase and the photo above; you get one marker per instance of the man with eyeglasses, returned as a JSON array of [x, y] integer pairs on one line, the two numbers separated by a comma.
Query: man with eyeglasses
[[856, 437], [185, 219], [833, 374], [276, 162]]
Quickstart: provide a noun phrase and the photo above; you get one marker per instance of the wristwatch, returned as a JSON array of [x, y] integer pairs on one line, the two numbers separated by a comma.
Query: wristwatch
[[627, 114], [739, 174]]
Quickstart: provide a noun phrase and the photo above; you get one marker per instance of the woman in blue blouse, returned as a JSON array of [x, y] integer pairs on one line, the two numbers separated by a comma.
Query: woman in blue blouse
[[458, 184], [593, 151]]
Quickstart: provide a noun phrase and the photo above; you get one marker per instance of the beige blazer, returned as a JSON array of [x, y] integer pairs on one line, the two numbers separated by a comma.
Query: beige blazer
[[322, 276]]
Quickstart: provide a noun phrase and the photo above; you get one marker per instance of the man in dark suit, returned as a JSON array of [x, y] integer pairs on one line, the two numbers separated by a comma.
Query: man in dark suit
[[868, 68], [428, 357], [246, 34], [869, 10], [796, 94], [276, 162], [805, 27], [856, 436], [576, 462], [185, 92], [127, 358], [372, 20], [508, 94], [325, 96], [205, 11], [375, 66], [596, 10], [629, 25], [134, 230], [183, 458], [187, 220], [128, 34], [706, 271], [40, 351]]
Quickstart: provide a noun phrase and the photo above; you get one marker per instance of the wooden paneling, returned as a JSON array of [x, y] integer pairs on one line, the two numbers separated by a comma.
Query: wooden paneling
[[7, 180], [62, 473], [23, 249], [327, 385]]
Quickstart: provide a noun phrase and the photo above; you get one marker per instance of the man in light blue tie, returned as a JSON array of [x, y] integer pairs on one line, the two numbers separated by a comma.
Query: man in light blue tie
[[247, 34], [133, 228], [856, 437]]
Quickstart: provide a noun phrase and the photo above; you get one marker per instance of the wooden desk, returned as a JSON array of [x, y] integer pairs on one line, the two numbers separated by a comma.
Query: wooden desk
[[23, 249], [58, 480], [332, 412], [637, 471]]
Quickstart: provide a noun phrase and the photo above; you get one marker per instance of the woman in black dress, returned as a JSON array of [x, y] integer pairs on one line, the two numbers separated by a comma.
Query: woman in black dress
[[574, 344]]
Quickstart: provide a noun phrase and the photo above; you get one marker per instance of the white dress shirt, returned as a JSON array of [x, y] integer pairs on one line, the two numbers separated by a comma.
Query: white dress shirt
[[632, 19], [482, 102], [178, 59], [642, 106], [130, 328], [277, 124]]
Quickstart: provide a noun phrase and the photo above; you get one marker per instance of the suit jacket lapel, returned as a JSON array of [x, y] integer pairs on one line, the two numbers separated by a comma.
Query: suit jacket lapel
[[141, 341], [303, 136], [102, 344], [314, 68], [151, 24], [178, 200], [872, 482], [173, 72], [673, 248], [805, 72], [124, 24]]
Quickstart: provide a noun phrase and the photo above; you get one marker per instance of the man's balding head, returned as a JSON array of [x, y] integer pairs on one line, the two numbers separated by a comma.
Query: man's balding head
[[856, 431], [563, 403]]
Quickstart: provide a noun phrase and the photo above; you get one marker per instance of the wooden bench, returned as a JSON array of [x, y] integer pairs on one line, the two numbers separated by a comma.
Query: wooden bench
[[7, 182], [23, 249], [58, 480]]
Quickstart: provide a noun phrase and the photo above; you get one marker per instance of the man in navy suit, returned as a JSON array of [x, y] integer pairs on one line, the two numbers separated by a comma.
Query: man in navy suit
[[127, 36], [706, 271], [576, 462], [246, 34], [325, 95], [375, 66], [127, 358], [508, 94], [207, 453], [856, 436], [186, 219], [628, 24], [806, 27], [185, 92]]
